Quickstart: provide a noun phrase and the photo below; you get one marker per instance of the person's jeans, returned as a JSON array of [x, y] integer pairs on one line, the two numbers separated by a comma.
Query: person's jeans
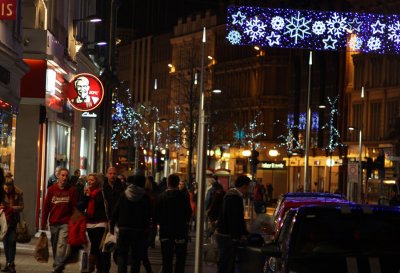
[[103, 260], [59, 238], [168, 247], [227, 253], [133, 240], [10, 244]]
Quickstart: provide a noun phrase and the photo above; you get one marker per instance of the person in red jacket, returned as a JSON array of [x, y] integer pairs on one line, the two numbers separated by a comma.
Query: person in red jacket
[[60, 201]]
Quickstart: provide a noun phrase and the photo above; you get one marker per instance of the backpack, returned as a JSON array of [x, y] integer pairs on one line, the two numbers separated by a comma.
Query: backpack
[[258, 194]]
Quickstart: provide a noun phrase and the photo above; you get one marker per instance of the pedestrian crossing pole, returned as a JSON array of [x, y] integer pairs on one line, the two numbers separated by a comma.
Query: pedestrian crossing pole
[[201, 169]]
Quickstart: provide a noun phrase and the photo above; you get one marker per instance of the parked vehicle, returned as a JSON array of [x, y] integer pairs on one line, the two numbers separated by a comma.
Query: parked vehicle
[[335, 238]]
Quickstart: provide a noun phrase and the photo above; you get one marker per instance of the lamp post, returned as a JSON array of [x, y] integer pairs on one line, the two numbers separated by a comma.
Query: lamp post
[[153, 151], [308, 128], [89, 19]]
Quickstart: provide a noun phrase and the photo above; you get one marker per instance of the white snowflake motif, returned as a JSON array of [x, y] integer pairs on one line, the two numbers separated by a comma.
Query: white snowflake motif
[[277, 23], [297, 27], [255, 28], [374, 43], [273, 39], [377, 27], [355, 43], [394, 34], [336, 25], [330, 43], [234, 37], [238, 18], [318, 27]]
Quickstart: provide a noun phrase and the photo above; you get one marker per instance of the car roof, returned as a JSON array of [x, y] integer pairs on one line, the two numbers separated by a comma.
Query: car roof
[[348, 208], [312, 194], [291, 203]]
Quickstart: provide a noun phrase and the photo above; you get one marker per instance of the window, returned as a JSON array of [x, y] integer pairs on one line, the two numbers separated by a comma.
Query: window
[[376, 121]]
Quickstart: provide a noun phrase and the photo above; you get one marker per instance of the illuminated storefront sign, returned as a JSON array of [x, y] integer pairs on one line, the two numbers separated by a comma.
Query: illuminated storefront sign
[[272, 165], [85, 92], [8, 9]]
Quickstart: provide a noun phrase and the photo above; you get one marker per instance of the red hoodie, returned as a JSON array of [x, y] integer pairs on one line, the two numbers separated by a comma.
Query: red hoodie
[[58, 205]]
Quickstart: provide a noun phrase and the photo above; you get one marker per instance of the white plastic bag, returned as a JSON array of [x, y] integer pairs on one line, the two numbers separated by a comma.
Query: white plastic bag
[[3, 224]]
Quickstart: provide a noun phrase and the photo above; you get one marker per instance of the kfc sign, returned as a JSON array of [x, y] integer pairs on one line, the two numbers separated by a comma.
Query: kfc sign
[[85, 92], [8, 9]]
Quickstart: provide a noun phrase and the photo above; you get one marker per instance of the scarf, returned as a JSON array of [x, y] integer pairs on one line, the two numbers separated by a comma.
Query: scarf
[[91, 204]]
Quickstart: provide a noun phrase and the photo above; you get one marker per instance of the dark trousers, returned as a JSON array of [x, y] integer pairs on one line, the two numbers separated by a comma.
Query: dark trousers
[[169, 246], [10, 244], [130, 240], [103, 260], [227, 253]]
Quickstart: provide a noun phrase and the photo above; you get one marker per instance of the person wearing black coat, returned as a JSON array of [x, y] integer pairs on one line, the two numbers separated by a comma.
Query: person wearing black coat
[[231, 226], [173, 213], [132, 214]]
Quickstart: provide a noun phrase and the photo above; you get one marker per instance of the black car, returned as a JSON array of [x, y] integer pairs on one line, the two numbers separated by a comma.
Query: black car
[[337, 239]]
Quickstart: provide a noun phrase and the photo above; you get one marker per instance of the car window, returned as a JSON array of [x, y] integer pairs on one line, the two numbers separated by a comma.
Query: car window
[[335, 232], [284, 232]]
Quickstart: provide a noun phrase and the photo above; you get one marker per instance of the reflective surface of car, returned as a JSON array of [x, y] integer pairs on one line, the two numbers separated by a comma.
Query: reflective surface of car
[[336, 238]]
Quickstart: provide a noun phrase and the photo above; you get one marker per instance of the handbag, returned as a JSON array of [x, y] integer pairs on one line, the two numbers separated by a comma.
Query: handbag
[[109, 242], [3, 224], [211, 253], [23, 235], [41, 252]]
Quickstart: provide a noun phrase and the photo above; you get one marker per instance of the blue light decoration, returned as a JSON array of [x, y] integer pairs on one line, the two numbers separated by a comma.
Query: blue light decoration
[[303, 120], [317, 30]]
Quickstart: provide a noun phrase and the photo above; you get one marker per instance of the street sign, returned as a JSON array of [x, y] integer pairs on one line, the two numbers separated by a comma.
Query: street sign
[[352, 172]]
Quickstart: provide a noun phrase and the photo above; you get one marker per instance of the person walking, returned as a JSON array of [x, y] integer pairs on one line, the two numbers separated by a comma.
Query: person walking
[[59, 204], [173, 213], [132, 214], [231, 226], [53, 178], [12, 204], [112, 189], [96, 222]]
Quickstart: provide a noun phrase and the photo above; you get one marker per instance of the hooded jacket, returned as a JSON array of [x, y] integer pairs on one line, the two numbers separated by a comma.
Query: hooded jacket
[[231, 219], [173, 213], [132, 210]]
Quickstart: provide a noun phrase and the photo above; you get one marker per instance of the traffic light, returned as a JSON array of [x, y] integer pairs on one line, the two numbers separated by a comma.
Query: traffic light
[[379, 164], [160, 162], [254, 160]]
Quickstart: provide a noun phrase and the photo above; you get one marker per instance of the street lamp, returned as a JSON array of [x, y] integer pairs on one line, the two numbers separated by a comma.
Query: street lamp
[[89, 19], [359, 162]]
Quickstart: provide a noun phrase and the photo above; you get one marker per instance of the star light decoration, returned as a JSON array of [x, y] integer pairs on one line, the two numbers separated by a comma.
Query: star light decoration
[[317, 30]]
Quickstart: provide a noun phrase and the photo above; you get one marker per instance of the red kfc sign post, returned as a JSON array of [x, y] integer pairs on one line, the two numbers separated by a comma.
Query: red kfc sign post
[[8, 9], [85, 92]]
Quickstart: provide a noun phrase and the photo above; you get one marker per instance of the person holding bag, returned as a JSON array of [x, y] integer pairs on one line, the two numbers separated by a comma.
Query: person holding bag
[[97, 222], [12, 205]]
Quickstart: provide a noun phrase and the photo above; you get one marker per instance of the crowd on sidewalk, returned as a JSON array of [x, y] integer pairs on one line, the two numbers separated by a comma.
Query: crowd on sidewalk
[[82, 211]]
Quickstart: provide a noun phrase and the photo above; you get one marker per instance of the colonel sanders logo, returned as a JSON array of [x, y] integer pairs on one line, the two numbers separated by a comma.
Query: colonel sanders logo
[[85, 92]]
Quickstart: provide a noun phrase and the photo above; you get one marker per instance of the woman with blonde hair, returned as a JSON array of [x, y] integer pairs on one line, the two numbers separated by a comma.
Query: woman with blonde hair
[[96, 219]]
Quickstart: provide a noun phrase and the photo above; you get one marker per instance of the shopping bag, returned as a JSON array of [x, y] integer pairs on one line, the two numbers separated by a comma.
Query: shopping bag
[[109, 243], [41, 252], [211, 253], [84, 260], [22, 231], [3, 224]]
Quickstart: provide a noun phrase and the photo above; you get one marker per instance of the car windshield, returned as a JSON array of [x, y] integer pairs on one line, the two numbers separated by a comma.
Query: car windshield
[[359, 233]]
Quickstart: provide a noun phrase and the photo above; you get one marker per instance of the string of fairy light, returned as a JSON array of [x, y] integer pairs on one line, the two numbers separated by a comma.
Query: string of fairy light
[[289, 141], [334, 135]]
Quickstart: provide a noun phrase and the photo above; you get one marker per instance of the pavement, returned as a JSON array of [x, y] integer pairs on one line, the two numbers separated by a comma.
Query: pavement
[[26, 263]]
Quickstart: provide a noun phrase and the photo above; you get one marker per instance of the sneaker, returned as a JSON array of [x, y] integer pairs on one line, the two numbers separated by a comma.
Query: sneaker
[[6, 268]]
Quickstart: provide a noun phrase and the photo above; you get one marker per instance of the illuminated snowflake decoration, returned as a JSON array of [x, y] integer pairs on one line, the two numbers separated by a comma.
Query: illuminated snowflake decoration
[[394, 32], [336, 25], [329, 43], [277, 23], [355, 43], [238, 18], [234, 37], [374, 43], [273, 39], [255, 28], [297, 27], [318, 28], [378, 27]]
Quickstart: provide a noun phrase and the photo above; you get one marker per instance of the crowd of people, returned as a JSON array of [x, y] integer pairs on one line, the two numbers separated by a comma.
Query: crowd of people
[[79, 211]]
